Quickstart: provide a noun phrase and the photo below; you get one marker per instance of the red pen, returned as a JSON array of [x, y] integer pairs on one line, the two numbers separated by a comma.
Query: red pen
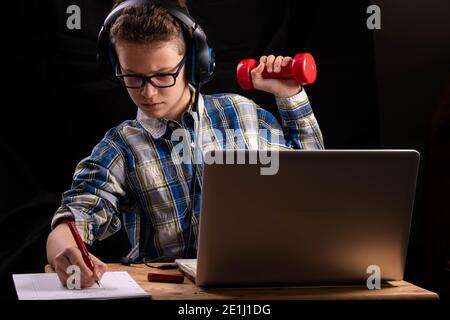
[[80, 244]]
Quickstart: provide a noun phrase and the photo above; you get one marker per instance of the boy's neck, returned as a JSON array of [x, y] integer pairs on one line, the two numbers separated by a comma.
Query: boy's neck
[[182, 105]]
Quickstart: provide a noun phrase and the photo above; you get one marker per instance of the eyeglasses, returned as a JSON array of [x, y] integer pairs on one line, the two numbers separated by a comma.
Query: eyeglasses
[[159, 80]]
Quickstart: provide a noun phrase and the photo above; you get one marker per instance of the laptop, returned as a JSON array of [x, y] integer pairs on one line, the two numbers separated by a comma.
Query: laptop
[[327, 217]]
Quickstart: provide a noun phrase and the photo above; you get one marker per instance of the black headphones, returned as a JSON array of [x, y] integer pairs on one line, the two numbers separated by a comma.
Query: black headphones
[[200, 57]]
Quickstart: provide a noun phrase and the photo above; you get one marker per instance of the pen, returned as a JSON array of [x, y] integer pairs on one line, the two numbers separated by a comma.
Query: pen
[[80, 244]]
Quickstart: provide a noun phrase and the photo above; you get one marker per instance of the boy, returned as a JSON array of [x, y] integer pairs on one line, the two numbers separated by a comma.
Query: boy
[[132, 171]]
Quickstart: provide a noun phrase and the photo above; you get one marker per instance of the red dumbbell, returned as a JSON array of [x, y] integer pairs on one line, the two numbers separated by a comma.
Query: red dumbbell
[[302, 68]]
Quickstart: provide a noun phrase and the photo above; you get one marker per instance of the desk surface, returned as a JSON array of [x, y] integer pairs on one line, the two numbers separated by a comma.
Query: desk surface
[[391, 290]]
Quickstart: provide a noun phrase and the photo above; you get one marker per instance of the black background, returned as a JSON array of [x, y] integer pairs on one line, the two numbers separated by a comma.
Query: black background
[[385, 88]]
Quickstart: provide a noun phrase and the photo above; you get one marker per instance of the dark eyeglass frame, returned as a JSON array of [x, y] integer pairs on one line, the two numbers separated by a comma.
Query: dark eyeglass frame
[[121, 77]]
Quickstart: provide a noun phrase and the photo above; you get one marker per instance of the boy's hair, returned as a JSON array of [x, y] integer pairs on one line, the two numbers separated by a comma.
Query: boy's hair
[[147, 24]]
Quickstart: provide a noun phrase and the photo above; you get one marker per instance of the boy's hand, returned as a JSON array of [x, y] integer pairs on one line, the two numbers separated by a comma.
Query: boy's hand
[[282, 88], [72, 256]]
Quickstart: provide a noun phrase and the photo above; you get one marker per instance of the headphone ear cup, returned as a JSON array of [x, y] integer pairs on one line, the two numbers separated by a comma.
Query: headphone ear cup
[[101, 53], [205, 66], [106, 56], [191, 65], [211, 62], [112, 55]]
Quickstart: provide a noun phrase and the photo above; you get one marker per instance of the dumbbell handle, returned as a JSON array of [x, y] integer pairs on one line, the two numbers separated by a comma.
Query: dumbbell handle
[[302, 68]]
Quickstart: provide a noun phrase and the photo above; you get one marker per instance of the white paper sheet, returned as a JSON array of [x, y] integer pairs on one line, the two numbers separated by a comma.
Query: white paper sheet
[[46, 286]]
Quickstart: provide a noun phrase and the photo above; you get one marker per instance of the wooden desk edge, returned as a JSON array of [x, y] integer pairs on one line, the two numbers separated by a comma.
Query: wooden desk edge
[[394, 290]]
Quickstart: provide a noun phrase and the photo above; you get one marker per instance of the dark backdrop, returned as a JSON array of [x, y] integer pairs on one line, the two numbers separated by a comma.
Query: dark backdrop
[[56, 107]]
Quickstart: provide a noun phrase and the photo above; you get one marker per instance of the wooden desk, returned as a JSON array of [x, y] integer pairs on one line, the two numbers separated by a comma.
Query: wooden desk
[[392, 290]]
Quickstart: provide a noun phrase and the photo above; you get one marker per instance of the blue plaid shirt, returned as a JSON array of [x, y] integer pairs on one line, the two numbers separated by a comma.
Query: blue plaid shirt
[[130, 177]]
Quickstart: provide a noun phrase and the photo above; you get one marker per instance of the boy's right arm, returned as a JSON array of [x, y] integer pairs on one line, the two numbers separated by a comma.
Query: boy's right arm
[[93, 202]]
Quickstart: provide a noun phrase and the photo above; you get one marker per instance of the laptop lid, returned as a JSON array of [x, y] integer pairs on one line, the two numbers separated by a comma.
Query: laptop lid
[[325, 217]]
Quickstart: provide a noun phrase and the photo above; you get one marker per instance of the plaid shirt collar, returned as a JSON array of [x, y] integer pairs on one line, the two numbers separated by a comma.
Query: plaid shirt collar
[[157, 127]]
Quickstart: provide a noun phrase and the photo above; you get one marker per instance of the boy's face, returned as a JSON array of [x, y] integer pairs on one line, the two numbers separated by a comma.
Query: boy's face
[[150, 59]]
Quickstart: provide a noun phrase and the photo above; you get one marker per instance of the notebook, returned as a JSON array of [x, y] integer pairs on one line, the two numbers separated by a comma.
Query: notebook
[[46, 286]]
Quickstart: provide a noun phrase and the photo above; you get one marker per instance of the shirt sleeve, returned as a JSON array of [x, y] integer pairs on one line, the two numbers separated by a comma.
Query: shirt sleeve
[[299, 128], [93, 199]]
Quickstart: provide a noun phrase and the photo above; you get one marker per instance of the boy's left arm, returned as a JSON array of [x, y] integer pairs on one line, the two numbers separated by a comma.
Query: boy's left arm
[[299, 125]]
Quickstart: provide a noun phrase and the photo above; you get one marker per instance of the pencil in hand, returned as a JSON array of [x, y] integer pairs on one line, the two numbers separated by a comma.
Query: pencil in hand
[[82, 247]]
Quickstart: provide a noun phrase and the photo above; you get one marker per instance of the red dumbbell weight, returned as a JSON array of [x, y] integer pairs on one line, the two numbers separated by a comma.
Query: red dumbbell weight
[[302, 68]]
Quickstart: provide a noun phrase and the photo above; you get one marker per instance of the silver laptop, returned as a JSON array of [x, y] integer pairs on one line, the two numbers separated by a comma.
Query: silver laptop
[[325, 217]]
